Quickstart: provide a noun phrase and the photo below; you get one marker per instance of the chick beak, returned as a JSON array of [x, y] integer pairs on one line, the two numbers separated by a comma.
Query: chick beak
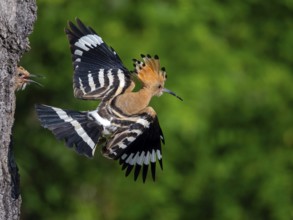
[[172, 93], [27, 80]]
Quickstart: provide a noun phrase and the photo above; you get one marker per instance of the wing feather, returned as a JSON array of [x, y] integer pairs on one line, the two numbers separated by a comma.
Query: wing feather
[[98, 70], [138, 146]]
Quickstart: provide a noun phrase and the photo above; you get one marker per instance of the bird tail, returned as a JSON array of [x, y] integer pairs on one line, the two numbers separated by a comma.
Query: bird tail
[[78, 131]]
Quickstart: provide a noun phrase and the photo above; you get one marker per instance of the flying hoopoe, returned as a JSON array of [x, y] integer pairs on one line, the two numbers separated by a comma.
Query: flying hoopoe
[[23, 78], [123, 124]]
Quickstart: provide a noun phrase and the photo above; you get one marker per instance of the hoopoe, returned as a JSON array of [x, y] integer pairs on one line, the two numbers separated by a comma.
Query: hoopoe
[[123, 124], [23, 78]]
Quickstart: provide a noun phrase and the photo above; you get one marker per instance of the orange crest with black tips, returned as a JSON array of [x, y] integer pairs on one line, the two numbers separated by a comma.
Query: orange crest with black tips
[[149, 71]]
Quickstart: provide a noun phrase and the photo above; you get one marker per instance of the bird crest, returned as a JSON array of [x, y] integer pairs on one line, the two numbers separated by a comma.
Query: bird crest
[[149, 70]]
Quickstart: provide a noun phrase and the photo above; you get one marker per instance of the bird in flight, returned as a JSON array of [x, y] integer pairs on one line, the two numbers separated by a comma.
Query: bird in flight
[[123, 125]]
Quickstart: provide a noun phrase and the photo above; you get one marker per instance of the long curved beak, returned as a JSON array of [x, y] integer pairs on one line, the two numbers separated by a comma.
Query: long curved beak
[[172, 93], [29, 80], [36, 76]]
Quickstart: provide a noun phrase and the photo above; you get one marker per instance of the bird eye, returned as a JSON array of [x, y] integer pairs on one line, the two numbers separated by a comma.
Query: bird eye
[[159, 86], [20, 74]]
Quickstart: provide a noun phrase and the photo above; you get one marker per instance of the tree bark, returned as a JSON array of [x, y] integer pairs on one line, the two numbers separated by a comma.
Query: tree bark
[[16, 23]]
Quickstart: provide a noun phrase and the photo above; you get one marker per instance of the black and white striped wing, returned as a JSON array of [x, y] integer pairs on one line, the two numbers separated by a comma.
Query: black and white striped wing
[[139, 146], [98, 70], [78, 131]]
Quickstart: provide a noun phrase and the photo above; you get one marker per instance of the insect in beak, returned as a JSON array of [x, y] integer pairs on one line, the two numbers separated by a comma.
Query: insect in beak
[[172, 93]]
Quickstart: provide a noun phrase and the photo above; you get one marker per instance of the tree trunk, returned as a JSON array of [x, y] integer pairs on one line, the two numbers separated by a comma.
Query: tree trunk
[[16, 23]]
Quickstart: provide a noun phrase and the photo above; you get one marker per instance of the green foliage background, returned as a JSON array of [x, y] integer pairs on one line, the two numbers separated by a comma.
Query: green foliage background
[[229, 144]]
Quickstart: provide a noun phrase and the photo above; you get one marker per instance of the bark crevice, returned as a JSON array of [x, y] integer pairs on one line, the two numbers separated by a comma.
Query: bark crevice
[[16, 23]]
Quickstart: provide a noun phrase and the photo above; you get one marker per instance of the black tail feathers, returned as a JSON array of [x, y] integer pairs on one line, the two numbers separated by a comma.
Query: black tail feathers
[[78, 131]]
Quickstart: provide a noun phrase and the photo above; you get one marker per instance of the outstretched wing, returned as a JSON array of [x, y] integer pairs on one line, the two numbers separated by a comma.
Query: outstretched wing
[[98, 70], [138, 145], [78, 131]]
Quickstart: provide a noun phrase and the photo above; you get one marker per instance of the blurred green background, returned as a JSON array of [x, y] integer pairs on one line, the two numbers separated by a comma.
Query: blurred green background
[[229, 144]]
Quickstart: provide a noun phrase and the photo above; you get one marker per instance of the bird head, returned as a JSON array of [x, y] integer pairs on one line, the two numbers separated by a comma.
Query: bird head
[[151, 75], [23, 78]]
